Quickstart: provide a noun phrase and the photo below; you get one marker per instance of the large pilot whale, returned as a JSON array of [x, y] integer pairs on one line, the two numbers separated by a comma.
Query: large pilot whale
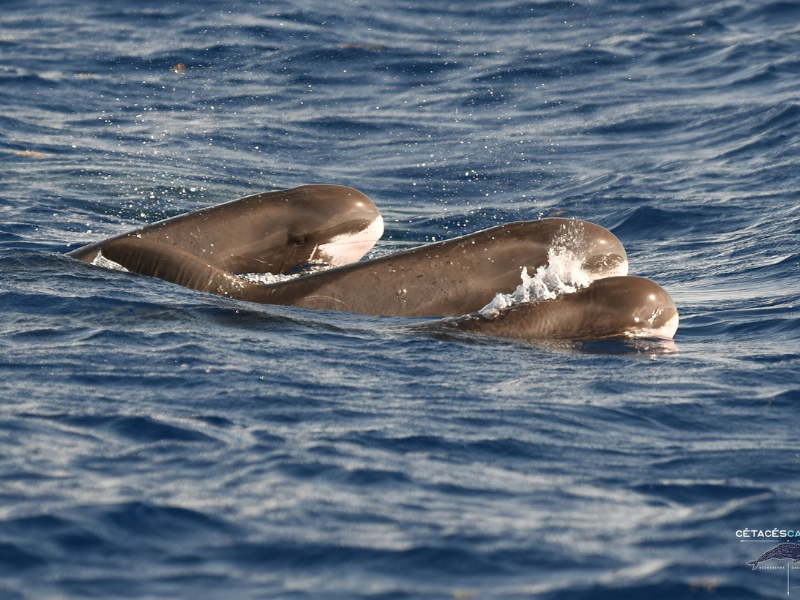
[[450, 278], [273, 232]]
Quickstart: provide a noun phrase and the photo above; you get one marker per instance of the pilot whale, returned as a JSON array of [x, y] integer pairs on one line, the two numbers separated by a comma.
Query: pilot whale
[[277, 232], [632, 307], [273, 232], [449, 278]]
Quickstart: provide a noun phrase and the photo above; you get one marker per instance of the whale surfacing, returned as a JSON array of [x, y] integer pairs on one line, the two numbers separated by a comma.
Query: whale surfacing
[[283, 231], [273, 232], [450, 278], [631, 307]]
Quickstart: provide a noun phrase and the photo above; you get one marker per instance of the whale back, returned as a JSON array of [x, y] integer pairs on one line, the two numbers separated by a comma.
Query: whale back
[[457, 276]]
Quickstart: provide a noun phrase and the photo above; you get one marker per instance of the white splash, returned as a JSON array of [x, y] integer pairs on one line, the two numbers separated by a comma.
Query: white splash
[[102, 261], [266, 278], [270, 278], [563, 274]]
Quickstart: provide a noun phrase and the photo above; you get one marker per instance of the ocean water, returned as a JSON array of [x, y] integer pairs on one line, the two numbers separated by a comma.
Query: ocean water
[[157, 442]]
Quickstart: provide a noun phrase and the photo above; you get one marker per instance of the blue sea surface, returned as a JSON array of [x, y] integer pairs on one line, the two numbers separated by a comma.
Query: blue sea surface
[[162, 443]]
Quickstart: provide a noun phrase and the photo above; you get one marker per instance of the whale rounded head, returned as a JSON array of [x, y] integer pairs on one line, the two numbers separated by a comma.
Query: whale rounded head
[[605, 257], [633, 307], [273, 232], [330, 224], [601, 251], [630, 307]]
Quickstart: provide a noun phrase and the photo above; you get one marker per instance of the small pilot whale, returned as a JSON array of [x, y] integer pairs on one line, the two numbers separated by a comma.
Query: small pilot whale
[[785, 550], [632, 307], [273, 232], [450, 278]]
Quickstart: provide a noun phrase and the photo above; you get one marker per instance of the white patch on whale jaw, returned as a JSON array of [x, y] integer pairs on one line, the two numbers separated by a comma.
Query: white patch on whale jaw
[[350, 247], [665, 332]]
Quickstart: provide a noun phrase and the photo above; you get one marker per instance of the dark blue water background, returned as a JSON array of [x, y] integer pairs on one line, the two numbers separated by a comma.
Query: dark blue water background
[[158, 442]]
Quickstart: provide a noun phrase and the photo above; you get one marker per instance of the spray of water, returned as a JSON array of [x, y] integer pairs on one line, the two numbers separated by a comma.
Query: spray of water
[[102, 261], [563, 274]]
